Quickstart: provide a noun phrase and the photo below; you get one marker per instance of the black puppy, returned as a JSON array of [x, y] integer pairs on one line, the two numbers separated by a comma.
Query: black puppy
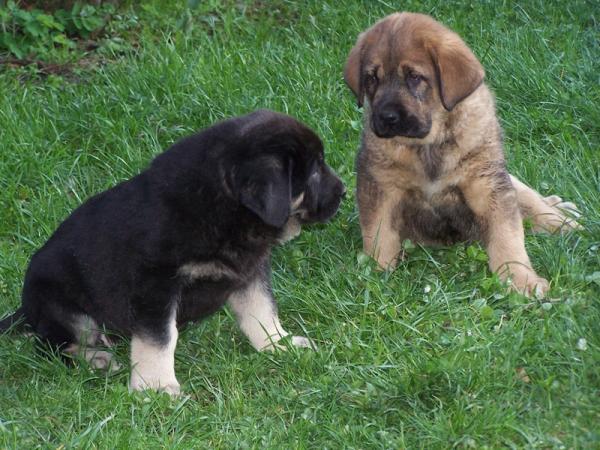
[[177, 242]]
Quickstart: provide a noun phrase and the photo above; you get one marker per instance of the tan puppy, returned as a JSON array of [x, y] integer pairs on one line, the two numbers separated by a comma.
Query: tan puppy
[[431, 166]]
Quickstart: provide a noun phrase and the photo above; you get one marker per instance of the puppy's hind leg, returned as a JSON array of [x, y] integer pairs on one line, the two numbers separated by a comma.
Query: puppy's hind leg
[[255, 310], [550, 214], [89, 336], [48, 312]]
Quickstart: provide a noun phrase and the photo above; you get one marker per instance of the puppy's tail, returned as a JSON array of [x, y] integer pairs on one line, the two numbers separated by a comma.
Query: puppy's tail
[[16, 322]]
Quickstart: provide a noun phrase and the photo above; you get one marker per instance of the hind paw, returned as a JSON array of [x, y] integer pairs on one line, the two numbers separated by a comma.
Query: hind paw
[[561, 217]]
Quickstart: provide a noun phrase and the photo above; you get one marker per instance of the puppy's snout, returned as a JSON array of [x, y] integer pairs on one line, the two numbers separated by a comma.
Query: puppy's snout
[[394, 119], [339, 189], [389, 117]]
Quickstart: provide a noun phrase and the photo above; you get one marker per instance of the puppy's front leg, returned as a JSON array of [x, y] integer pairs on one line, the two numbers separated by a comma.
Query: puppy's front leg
[[255, 310], [153, 342], [381, 239], [494, 201]]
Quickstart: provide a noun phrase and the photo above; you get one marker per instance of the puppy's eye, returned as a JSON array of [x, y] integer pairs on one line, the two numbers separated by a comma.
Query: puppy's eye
[[415, 77], [372, 79]]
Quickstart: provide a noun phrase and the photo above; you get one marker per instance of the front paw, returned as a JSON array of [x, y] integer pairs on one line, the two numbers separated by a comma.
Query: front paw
[[296, 341], [139, 383], [300, 341], [528, 283]]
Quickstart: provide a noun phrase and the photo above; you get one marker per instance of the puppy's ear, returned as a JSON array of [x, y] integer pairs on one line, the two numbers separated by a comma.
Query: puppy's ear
[[459, 72], [353, 69], [266, 190]]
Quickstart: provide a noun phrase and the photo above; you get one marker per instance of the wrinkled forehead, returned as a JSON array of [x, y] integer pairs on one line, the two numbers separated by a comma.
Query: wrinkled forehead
[[395, 43]]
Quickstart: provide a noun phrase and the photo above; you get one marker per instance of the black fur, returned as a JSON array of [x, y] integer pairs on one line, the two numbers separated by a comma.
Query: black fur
[[222, 196]]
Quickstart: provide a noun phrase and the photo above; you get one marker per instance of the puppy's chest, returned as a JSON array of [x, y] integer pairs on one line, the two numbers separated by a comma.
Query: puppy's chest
[[433, 213], [424, 188], [430, 173]]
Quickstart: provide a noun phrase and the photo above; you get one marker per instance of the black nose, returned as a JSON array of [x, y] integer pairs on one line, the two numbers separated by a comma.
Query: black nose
[[389, 117]]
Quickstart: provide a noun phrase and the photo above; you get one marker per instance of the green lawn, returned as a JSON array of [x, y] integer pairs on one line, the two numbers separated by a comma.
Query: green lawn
[[433, 355]]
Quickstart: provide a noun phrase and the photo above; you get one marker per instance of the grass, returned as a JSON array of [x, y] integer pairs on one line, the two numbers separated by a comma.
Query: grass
[[433, 355]]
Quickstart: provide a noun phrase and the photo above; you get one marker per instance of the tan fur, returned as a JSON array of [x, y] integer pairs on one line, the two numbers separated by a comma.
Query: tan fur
[[89, 336], [293, 226], [431, 166], [258, 320], [213, 270], [153, 364]]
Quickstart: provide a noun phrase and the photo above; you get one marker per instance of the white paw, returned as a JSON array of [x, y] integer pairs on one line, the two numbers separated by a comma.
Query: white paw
[[569, 208], [296, 341], [300, 341], [563, 217], [138, 383], [553, 200], [173, 390], [102, 360], [528, 283], [537, 289]]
